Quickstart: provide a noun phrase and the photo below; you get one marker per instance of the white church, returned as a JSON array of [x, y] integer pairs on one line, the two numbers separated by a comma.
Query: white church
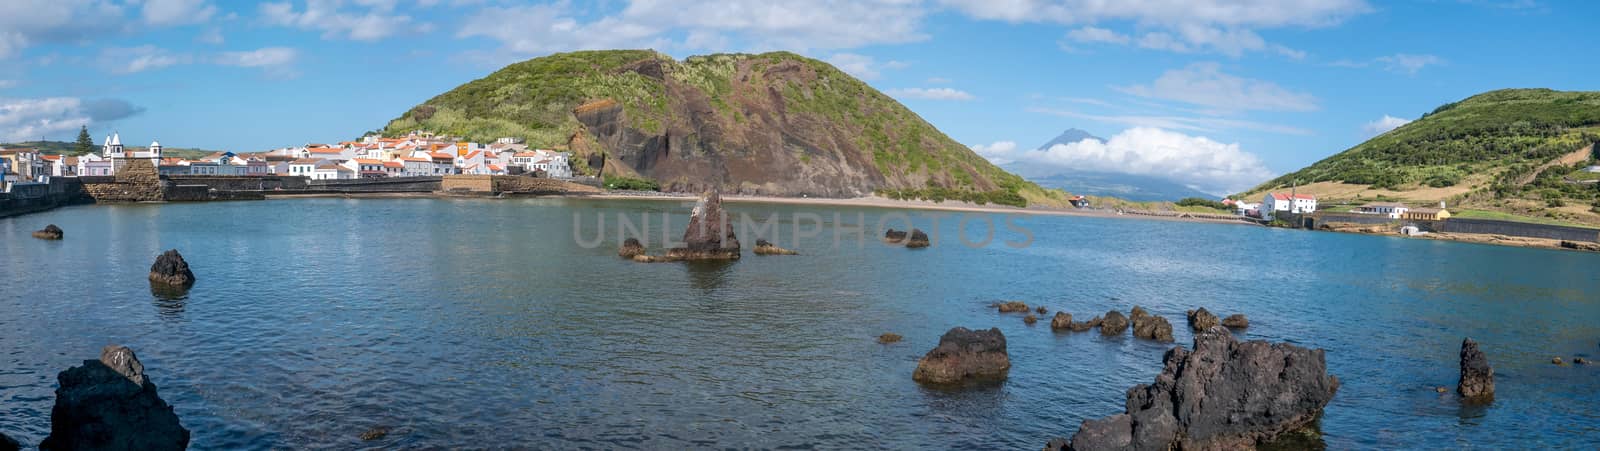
[[113, 151]]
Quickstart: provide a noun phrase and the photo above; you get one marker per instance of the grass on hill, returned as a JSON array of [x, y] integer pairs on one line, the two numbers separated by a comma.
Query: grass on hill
[[1503, 216]]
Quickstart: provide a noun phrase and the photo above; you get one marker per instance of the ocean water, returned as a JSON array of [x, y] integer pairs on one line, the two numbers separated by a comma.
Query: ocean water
[[495, 323]]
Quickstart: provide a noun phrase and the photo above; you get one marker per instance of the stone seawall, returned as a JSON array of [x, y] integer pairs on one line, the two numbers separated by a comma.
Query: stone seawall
[[375, 185], [242, 182], [512, 184], [32, 198], [1493, 227]]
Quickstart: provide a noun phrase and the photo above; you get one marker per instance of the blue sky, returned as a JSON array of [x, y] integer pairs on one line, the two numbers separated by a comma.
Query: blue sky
[[1218, 94]]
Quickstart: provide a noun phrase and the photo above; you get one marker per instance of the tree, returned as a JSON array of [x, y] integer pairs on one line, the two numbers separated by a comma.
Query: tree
[[85, 144]]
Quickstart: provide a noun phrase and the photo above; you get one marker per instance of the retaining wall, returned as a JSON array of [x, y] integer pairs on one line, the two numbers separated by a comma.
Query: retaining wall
[[1490, 226]]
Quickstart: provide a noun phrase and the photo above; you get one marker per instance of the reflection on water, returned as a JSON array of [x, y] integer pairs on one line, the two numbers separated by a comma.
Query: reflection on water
[[709, 275], [481, 323]]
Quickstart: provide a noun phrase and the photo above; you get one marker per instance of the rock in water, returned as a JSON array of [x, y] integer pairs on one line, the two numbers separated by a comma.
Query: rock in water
[[889, 338], [894, 236], [1477, 377], [1012, 307], [50, 232], [1202, 320], [709, 236], [1081, 326], [108, 404], [1137, 314], [965, 356], [1061, 321], [630, 248], [1225, 394], [917, 240], [1042, 310], [1030, 319], [170, 269], [1114, 323], [1236, 321], [763, 247], [9, 444], [1152, 327]]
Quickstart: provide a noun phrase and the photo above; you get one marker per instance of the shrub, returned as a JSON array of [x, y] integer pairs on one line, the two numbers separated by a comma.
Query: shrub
[[631, 184]]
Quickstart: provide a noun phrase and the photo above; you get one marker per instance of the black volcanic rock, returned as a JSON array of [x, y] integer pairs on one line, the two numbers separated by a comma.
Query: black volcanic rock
[[108, 404], [1224, 394], [918, 239], [9, 444], [630, 248], [1236, 321], [1477, 377], [1202, 320], [894, 236], [1152, 327], [764, 247], [965, 356], [171, 269], [50, 232], [1113, 323]]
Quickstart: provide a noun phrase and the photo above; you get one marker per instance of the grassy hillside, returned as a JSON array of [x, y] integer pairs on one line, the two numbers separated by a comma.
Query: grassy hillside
[[1514, 151], [768, 123]]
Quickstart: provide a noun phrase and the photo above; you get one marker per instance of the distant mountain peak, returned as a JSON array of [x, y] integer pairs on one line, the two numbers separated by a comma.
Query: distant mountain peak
[[1070, 136]]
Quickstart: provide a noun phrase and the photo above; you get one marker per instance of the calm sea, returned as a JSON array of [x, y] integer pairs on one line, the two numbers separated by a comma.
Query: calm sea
[[486, 323]]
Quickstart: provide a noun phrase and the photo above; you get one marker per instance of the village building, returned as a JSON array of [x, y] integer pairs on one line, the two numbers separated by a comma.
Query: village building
[[1427, 214], [366, 168], [304, 167], [1273, 203], [1393, 210]]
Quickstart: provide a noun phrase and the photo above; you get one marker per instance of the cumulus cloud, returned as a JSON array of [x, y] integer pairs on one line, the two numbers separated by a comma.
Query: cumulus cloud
[[24, 23], [128, 60], [931, 94], [376, 23], [1408, 64], [862, 66], [1383, 125], [760, 24], [177, 12], [211, 36], [1197, 161], [277, 62], [1206, 85], [1222, 26], [29, 119]]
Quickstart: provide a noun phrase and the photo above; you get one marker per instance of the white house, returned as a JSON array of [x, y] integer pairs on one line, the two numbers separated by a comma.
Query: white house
[[328, 170], [1297, 203], [1245, 207], [417, 167], [1391, 209], [366, 168], [304, 167], [1595, 168]]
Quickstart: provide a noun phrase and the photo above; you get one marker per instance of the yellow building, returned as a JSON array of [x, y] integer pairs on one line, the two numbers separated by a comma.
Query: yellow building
[[1427, 214]]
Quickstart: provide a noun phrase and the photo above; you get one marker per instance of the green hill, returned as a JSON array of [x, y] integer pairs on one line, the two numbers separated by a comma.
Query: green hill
[[1517, 151], [771, 124]]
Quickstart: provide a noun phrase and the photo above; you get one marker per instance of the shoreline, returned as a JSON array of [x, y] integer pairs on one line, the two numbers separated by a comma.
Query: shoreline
[[948, 206]]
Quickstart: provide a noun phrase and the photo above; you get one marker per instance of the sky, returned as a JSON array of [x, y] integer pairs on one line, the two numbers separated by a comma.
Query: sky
[[1217, 94]]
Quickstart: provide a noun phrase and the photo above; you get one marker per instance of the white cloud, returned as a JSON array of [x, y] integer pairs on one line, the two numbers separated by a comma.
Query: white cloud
[[1407, 63], [1197, 161], [1189, 123], [277, 62], [861, 66], [1096, 34], [265, 57], [1383, 125], [1206, 85], [330, 16], [1221, 26], [794, 25], [128, 60], [211, 36], [30, 119], [24, 23], [1001, 152], [177, 12], [931, 94]]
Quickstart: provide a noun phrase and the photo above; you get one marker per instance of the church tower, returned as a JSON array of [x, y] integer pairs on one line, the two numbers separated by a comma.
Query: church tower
[[155, 150], [113, 147]]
